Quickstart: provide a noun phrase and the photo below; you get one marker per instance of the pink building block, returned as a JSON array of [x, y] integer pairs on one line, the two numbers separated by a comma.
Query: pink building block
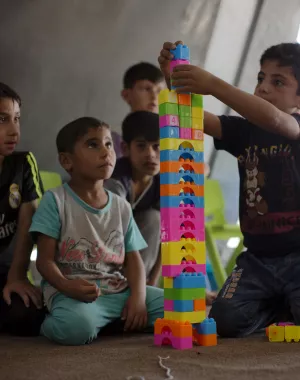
[[178, 222], [178, 62], [168, 121], [185, 133], [168, 305], [170, 340], [187, 266]]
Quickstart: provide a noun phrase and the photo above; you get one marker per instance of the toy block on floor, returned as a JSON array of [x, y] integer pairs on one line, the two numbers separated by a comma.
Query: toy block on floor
[[276, 333], [168, 121], [181, 52], [205, 340], [182, 165], [181, 144], [191, 316], [167, 96], [207, 327], [181, 201], [185, 133], [184, 99], [283, 331], [179, 155], [169, 132], [184, 295], [292, 333], [173, 253], [175, 333], [189, 281], [169, 109]]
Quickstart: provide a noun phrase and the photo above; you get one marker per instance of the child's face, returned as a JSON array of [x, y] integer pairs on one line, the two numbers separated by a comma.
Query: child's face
[[9, 126], [144, 156], [278, 85], [93, 158], [143, 96]]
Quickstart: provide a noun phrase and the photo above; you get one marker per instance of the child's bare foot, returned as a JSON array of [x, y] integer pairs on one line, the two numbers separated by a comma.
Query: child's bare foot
[[210, 297]]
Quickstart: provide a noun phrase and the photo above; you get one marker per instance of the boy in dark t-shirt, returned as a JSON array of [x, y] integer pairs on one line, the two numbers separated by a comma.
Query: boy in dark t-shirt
[[265, 285], [21, 311]]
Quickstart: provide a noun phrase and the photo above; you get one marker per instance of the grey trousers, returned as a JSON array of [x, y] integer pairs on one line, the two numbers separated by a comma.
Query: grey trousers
[[148, 222]]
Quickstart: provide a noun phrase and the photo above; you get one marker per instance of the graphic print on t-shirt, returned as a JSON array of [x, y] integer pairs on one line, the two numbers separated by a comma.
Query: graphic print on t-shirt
[[270, 201], [253, 183]]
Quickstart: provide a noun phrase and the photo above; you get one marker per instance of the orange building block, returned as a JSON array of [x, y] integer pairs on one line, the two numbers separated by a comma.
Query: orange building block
[[175, 166], [204, 340], [184, 99], [167, 190], [199, 305], [197, 134], [178, 329]]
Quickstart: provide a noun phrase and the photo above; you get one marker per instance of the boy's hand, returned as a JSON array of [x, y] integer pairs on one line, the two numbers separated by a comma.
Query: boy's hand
[[193, 79], [165, 57], [25, 290], [135, 314], [82, 290]]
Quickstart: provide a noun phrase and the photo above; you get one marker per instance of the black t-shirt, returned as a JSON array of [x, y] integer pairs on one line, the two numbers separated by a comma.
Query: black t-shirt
[[123, 174], [269, 168], [20, 182]]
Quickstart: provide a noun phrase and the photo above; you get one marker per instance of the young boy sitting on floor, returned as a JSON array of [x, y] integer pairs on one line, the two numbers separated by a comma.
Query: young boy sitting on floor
[[88, 245], [265, 285], [21, 311]]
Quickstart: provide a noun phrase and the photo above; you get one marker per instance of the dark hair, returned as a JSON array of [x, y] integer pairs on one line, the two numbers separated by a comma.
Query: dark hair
[[7, 92], [286, 54], [140, 124], [141, 71], [72, 132]]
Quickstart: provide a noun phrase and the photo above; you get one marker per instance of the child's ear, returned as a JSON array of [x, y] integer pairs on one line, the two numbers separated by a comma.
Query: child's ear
[[65, 161], [125, 93], [125, 149]]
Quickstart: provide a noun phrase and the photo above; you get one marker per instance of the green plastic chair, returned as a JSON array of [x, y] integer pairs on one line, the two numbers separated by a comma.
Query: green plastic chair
[[217, 228], [50, 180]]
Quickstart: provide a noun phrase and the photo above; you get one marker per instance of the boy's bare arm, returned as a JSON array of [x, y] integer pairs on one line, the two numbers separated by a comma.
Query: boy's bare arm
[[17, 281]]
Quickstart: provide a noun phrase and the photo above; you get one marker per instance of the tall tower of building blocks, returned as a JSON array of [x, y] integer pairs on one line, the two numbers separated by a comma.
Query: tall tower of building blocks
[[182, 218]]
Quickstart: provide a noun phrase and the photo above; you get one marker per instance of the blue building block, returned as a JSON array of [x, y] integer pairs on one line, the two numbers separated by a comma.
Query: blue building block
[[207, 327], [187, 176], [190, 280], [167, 132], [183, 305], [173, 201], [176, 155], [181, 52]]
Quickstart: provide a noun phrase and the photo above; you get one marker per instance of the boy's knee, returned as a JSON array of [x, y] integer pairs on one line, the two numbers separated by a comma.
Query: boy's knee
[[70, 329], [21, 320], [229, 319]]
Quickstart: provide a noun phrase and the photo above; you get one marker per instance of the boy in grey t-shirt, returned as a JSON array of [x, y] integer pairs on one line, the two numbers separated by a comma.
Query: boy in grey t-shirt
[[88, 245]]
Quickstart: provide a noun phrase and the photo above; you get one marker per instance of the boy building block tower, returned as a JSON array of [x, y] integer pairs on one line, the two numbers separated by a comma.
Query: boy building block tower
[[182, 218]]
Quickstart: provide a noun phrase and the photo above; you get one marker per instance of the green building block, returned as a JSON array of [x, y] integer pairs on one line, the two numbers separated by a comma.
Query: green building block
[[185, 111], [197, 100], [185, 122], [168, 109], [184, 294]]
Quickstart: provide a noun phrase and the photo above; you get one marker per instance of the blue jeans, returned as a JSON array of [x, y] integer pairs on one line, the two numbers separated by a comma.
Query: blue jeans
[[260, 291], [72, 322]]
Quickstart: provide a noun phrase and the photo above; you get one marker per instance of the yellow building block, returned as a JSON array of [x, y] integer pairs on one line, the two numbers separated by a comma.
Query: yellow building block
[[197, 112], [174, 144], [190, 316], [292, 333], [197, 123], [276, 333], [173, 252], [168, 282], [166, 96]]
